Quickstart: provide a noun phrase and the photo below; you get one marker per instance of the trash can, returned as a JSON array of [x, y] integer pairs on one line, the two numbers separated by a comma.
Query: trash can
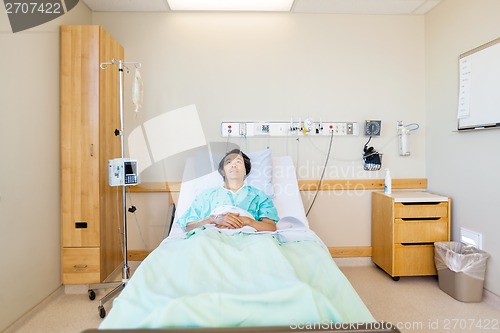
[[461, 269]]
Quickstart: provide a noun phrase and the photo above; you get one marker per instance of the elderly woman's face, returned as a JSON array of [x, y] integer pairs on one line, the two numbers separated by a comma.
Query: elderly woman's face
[[234, 167]]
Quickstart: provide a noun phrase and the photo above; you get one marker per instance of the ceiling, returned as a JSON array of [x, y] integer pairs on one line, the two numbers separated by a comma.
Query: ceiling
[[371, 7]]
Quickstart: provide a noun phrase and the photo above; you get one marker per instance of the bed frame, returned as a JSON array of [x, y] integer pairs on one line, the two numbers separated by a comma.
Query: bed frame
[[295, 210], [378, 327]]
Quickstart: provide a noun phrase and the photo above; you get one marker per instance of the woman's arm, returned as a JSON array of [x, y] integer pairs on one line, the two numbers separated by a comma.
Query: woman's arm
[[195, 224], [263, 225], [235, 221]]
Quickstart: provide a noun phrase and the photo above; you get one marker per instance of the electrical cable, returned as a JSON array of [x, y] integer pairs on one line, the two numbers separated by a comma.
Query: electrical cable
[[132, 210], [311, 140], [322, 175], [118, 222], [414, 126], [297, 155], [367, 142], [244, 143], [227, 141]]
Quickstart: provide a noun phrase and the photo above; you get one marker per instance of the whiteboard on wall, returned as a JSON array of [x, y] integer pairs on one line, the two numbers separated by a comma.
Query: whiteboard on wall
[[479, 88]]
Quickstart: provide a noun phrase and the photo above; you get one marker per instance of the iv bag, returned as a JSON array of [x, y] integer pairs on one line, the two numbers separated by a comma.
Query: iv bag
[[137, 91]]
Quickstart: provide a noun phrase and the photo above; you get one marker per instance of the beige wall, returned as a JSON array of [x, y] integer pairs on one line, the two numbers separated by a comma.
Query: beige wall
[[272, 67], [462, 165], [29, 167]]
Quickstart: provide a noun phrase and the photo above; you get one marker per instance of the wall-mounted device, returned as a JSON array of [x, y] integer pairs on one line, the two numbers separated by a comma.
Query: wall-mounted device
[[403, 139], [123, 172], [373, 127], [372, 159]]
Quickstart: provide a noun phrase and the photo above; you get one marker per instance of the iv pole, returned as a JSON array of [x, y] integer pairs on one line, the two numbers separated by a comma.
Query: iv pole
[[126, 268]]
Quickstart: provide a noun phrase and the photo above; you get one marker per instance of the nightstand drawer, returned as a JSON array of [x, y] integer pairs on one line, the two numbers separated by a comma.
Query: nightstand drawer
[[414, 260], [81, 265], [420, 210], [420, 231]]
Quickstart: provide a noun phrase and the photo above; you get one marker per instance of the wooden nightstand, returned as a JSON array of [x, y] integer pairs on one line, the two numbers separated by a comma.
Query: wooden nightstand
[[405, 226]]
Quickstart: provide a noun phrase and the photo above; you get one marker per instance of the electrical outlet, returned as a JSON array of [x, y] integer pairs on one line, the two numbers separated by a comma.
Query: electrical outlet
[[350, 128], [373, 127], [470, 237], [230, 129], [328, 128], [340, 129]]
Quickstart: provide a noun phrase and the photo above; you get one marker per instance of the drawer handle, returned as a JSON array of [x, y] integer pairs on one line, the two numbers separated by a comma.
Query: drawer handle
[[417, 244], [80, 266], [420, 218], [421, 203]]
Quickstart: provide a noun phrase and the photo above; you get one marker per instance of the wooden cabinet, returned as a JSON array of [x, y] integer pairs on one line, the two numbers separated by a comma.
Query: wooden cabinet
[[90, 209], [405, 226]]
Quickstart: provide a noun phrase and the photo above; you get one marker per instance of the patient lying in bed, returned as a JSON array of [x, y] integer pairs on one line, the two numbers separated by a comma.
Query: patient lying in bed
[[233, 205], [217, 275]]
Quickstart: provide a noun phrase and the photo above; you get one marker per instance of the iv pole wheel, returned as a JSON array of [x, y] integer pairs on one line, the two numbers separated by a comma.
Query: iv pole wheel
[[102, 311], [91, 294]]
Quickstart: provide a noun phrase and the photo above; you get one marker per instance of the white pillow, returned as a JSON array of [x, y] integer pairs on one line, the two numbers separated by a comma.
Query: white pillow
[[261, 174], [213, 179]]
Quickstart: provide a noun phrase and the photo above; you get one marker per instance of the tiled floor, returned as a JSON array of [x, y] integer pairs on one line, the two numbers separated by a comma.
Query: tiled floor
[[414, 304]]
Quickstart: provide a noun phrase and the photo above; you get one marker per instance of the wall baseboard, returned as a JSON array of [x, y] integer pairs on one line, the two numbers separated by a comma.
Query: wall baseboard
[[350, 252], [491, 298], [19, 323], [336, 252]]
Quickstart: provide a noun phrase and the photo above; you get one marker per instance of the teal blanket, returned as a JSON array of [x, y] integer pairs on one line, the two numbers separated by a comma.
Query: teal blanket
[[212, 279]]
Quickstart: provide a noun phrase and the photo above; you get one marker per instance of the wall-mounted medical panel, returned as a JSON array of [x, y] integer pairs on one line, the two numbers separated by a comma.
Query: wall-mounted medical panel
[[280, 129]]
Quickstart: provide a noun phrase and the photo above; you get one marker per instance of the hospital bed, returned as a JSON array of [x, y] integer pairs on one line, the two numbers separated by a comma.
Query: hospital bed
[[211, 278]]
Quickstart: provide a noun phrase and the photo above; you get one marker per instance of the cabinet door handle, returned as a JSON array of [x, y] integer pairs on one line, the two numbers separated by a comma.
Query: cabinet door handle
[[91, 149], [79, 266]]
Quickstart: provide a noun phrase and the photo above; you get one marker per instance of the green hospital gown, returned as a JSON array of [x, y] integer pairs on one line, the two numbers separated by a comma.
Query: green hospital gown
[[248, 198]]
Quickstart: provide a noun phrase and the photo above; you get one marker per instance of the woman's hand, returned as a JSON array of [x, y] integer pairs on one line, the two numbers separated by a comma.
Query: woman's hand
[[223, 221], [235, 221], [231, 221]]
